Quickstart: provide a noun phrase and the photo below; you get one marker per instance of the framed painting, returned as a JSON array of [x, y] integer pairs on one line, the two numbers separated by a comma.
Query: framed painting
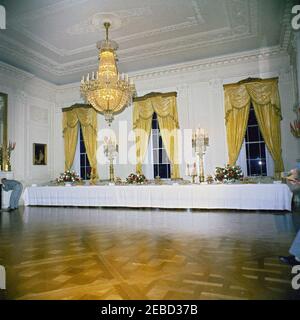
[[39, 154]]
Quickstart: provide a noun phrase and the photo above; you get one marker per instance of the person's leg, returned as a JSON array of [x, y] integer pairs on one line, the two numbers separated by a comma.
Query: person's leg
[[294, 258], [295, 248], [16, 197], [12, 199]]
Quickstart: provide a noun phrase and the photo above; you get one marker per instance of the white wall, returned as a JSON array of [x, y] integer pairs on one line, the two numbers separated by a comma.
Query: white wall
[[199, 86], [31, 105], [35, 108]]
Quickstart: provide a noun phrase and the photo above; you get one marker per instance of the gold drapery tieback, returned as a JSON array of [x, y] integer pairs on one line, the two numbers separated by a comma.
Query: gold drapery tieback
[[264, 96], [165, 106], [86, 116]]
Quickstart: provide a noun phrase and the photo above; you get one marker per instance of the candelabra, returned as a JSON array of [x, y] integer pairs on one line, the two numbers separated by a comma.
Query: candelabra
[[111, 150], [200, 142], [193, 172]]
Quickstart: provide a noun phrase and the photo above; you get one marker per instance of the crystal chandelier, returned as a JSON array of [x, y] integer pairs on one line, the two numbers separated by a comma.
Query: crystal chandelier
[[106, 90]]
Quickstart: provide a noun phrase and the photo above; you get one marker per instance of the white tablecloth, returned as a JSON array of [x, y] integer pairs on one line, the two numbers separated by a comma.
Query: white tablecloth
[[235, 196]]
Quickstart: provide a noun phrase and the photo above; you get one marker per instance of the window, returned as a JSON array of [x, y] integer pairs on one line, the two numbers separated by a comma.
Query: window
[[85, 168], [255, 147], [161, 162]]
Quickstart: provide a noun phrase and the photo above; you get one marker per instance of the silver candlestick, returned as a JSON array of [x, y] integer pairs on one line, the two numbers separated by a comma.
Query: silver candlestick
[[111, 150], [200, 142]]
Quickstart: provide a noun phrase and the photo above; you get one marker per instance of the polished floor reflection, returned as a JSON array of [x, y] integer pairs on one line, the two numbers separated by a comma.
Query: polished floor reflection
[[73, 253]]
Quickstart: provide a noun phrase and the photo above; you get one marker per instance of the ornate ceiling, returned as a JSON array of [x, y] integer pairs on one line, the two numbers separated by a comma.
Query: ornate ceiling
[[56, 39]]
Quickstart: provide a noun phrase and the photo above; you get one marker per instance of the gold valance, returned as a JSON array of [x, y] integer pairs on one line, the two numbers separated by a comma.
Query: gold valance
[[155, 94], [164, 105], [86, 115], [260, 91]]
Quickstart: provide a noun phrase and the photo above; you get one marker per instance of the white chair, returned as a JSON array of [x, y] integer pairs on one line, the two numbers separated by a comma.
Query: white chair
[[2, 278]]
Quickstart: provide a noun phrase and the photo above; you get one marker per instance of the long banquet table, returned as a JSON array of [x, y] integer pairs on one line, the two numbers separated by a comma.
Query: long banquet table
[[215, 196]]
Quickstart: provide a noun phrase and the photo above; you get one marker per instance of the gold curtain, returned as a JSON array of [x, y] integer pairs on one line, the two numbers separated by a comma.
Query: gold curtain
[[266, 103], [87, 117], [237, 106], [142, 117], [70, 130], [264, 96], [165, 106]]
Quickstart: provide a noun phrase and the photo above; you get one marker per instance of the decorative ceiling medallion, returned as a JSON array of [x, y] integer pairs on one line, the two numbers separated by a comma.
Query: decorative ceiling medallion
[[117, 19]]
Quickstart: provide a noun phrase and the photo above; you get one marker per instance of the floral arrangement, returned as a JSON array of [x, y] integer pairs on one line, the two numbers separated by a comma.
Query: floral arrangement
[[228, 173], [209, 179], [68, 176], [295, 126], [136, 178]]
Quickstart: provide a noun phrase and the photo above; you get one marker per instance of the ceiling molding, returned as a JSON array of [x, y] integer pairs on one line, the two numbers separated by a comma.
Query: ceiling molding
[[242, 18], [216, 62], [198, 65], [238, 20]]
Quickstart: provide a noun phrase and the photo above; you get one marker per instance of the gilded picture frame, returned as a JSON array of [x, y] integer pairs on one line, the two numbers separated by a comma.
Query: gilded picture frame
[[39, 154]]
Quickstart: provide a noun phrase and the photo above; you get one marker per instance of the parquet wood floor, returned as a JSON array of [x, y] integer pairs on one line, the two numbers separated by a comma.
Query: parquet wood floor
[[65, 253]]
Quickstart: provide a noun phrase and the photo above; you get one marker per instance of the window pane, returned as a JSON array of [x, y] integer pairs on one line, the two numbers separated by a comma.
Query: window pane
[[160, 155], [262, 150], [254, 151], [165, 158], [82, 160], [88, 172], [163, 171], [156, 173], [248, 168], [155, 156], [155, 141], [255, 168], [253, 134], [261, 138], [82, 147], [155, 132], [161, 162], [82, 172], [264, 169], [160, 142], [154, 121], [87, 163], [252, 118], [258, 167]]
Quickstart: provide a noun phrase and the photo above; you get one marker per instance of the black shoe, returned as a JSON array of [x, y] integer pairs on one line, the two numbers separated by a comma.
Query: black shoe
[[290, 260]]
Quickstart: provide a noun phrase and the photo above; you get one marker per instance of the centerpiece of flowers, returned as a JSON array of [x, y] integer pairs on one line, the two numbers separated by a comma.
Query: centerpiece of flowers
[[228, 173], [136, 179], [68, 176], [209, 179]]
